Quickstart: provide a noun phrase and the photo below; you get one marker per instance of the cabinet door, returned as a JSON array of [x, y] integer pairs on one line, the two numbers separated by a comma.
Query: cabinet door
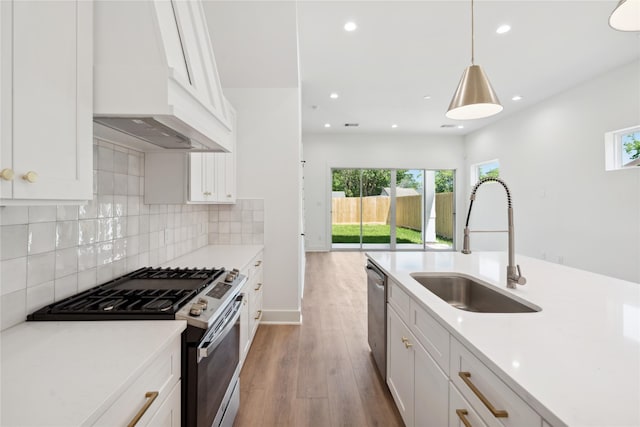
[[431, 390], [6, 37], [226, 163], [168, 414], [52, 99], [202, 177], [400, 365], [244, 327]]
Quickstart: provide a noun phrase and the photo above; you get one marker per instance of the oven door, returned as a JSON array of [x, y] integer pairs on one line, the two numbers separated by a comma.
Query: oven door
[[212, 371]]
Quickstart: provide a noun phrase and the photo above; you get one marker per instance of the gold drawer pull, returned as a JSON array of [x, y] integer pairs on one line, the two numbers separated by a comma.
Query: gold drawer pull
[[257, 264], [498, 413], [259, 315], [406, 342], [462, 414], [150, 396], [258, 288]]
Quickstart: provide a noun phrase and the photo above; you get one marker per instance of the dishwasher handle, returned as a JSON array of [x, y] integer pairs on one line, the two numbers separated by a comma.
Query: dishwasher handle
[[376, 276]]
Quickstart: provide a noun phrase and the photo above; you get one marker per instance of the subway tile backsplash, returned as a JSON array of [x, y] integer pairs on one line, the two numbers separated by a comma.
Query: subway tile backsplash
[[50, 252]]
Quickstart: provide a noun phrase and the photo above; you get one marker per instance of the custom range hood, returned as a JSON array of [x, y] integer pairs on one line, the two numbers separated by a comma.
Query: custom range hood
[[156, 83]]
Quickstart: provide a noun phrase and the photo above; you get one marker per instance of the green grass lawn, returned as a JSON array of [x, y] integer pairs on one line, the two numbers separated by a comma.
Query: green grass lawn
[[372, 233]]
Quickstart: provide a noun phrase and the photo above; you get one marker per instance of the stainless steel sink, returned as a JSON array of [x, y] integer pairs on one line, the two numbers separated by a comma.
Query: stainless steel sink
[[467, 294]]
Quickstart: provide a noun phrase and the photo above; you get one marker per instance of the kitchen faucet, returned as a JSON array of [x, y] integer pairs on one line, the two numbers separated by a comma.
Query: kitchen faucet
[[514, 276]]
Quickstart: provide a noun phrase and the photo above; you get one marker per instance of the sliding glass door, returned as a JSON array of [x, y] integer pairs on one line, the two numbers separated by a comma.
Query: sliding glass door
[[391, 209]]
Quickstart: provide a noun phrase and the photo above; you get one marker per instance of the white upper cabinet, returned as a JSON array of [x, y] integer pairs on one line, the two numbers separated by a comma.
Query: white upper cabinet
[[46, 109], [154, 59]]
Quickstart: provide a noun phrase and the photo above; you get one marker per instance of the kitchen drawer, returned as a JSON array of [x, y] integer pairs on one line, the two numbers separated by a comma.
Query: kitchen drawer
[[255, 267], [399, 300], [487, 384], [457, 404], [433, 336], [159, 377], [168, 415]]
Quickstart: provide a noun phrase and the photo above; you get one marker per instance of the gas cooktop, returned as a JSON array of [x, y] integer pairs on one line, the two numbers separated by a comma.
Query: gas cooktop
[[145, 294]]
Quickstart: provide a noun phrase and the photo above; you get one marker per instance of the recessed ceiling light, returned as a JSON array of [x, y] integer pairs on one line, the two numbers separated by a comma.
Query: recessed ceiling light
[[516, 98], [504, 28], [327, 125], [350, 26], [426, 97], [394, 126], [334, 95], [460, 127]]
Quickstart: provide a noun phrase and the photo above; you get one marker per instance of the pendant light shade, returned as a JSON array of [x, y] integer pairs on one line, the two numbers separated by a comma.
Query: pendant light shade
[[626, 16], [474, 98]]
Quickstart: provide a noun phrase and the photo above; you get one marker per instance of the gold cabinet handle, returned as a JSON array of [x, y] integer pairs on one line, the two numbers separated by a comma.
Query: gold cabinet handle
[[498, 413], [150, 396], [30, 176], [257, 264], [406, 342], [462, 414], [7, 174], [259, 315], [258, 288]]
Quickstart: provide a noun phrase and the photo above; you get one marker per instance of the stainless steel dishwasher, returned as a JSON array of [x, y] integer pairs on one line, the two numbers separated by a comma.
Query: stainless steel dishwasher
[[377, 316]]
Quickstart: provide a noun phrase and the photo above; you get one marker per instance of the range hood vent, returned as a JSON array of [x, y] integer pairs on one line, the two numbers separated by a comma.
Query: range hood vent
[[147, 129], [156, 83]]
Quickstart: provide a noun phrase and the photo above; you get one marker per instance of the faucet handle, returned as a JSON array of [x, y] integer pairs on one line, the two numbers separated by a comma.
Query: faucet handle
[[521, 280]]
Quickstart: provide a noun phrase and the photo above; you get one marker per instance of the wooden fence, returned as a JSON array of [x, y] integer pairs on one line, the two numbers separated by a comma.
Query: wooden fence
[[375, 210], [444, 215]]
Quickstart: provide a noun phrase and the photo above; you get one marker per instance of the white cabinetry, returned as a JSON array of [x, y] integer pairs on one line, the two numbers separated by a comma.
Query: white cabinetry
[[417, 384], [201, 177], [153, 398], [253, 289], [436, 381], [46, 108]]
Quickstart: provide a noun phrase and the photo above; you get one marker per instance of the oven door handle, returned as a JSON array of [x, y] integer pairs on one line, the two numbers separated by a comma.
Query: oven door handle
[[217, 339]]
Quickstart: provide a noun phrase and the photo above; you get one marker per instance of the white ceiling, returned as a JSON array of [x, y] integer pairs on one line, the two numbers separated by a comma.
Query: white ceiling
[[402, 51]]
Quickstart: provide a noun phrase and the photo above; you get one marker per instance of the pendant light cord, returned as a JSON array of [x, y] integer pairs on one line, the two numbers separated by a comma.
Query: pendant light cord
[[472, 37]]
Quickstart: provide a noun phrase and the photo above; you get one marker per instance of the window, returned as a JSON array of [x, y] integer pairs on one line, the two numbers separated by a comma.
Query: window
[[622, 148], [482, 170], [392, 209]]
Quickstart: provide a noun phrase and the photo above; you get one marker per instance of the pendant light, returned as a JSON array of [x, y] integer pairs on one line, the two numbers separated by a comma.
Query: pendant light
[[626, 16], [474, 98]]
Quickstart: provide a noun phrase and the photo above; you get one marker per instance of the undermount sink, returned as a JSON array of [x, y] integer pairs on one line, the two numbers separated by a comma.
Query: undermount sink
[[465, 293]]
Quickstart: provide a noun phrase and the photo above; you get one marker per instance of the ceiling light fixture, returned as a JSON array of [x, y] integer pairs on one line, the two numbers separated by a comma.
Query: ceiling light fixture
[[516, 98], [626, 16], [426, 97], [460, 127], [474, 97], [327, 125], [394, 126], [504, 28], [350, 26], [334, 95]]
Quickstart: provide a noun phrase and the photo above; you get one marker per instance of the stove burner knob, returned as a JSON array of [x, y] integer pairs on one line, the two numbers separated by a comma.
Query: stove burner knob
[[230, 277], [203, 302], [196, 310]]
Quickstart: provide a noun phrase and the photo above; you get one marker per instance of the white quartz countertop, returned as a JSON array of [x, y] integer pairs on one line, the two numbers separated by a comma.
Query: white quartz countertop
[[69, 373], [227, 256], [576, 362]]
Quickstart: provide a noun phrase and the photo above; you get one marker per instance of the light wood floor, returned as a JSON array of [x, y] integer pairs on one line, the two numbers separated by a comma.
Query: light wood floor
[[321, 373]]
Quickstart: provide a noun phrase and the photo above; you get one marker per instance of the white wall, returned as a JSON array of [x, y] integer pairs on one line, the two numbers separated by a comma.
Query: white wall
[[567, 208], [325, 151], [268, 149]]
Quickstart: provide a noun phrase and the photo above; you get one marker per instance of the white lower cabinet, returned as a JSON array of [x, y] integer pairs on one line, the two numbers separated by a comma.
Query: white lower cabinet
[[157, 388], [252, 304], [417, 384]]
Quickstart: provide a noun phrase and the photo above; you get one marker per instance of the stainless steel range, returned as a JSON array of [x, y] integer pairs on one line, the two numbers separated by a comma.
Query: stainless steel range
[[208, 299]]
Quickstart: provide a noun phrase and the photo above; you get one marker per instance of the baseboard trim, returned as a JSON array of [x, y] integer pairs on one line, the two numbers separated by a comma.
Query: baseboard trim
[[281, 317]]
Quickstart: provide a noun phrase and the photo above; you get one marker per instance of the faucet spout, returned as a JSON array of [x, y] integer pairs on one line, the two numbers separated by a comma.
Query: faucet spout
[[514, 275]]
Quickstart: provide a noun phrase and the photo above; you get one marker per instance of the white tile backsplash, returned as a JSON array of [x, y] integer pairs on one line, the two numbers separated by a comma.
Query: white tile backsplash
[[41, 268], [241, 223], [49, 252]]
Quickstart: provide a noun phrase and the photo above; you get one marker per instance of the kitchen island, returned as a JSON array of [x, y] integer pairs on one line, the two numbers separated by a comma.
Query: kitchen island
[[576, 362]]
